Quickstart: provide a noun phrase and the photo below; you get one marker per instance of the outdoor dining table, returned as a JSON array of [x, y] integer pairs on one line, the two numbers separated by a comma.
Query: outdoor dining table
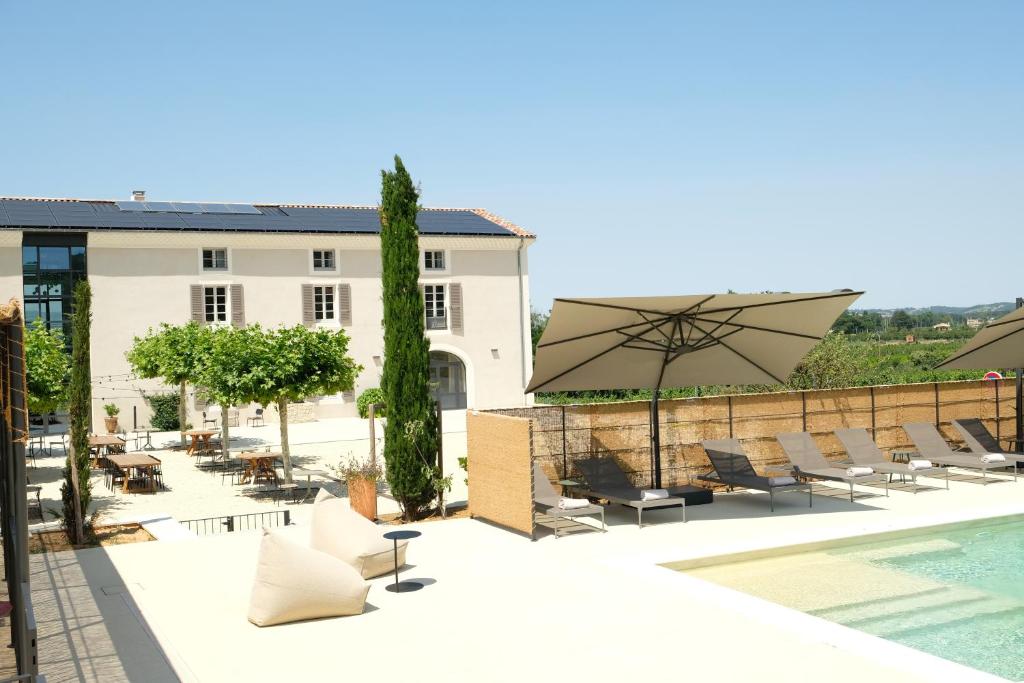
[[309, 474], [259, 466], [105, 442], [143, 463], [200, 438]]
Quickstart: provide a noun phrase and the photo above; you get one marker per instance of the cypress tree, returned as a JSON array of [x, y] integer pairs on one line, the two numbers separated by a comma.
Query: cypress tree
[[410, 434], [76, 493]]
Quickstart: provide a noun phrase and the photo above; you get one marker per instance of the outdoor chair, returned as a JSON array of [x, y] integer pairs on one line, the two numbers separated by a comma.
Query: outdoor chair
[[931, 445], [733, 469], [209, 420], [865, 453], [548, 502], [253, 419], [808, 462], [37, 503], [233, 469], [979, 440], [605, 479]]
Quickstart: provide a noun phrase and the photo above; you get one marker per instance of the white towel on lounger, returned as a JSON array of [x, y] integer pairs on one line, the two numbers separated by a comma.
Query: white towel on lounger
[[653, 494], [781, 481], [572, 503], [859, 471], [993, 457], [919, 464]]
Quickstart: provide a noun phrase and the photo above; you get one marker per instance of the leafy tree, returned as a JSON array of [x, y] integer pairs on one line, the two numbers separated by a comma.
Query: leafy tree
[[829, 365], [76, 492], [224, 374], [47, 368], [173, 354], [538, 321], [901, 320], [409, 460], [290, 364]]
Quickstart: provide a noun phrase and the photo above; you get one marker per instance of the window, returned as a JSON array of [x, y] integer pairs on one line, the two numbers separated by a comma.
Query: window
[[215, 259], [323, 259], [433, 260], [434, 304], [215, 304], [323, 303], [51, 265]]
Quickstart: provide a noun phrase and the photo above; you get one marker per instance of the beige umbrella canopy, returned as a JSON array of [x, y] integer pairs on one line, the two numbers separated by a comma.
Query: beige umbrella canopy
[[678, 341], [999, 344]]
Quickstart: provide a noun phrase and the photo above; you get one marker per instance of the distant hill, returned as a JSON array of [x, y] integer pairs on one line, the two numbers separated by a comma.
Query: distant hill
[[981, 311]]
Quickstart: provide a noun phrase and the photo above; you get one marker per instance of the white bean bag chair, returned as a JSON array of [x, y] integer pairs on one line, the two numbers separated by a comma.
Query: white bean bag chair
[[295, 583], [340, 531]]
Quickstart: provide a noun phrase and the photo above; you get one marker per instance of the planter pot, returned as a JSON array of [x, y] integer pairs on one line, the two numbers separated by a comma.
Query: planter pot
[[111, 424], [362, 496]]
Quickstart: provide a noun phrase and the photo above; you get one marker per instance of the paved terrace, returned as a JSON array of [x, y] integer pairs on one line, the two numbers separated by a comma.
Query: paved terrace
[[588, 606]]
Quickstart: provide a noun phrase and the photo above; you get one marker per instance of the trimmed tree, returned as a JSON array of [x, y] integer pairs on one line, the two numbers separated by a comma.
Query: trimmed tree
[[224, 374], [292, 363], [76, 492], [47, 369], [174, 354], [409, 456]]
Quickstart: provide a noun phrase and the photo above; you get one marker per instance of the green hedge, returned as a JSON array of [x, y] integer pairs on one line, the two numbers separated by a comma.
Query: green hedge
[[368, 397], [165, 412]]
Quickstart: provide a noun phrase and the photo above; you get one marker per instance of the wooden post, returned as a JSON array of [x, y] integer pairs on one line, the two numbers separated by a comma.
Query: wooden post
[[565, 472], [729, 401], [440, 441], [873, 428], [936, 405], [803, 409], [996, 383]]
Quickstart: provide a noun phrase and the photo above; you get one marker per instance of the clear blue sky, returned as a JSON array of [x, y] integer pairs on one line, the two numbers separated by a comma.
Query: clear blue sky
[[655, 149]]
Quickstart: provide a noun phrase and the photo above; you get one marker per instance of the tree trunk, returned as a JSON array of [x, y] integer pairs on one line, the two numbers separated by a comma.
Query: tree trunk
[[182, 410], [286, 454], [224, 435], [77, 525]]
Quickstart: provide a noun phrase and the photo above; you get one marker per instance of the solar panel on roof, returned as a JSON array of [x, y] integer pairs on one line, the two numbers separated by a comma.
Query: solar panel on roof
[[230, 208], [187, 207]]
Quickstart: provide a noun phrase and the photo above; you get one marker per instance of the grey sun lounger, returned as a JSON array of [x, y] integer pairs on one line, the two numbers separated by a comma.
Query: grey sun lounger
[[864, 452], [605, 479], [931, 445], [979, 440], [546, 499], [808, 461], [733, 469]]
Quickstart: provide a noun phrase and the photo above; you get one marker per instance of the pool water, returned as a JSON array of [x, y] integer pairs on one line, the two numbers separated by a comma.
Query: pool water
[[956, 592]]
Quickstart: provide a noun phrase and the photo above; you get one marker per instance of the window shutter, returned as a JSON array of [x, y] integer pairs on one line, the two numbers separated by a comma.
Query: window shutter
[[308, 318], [237, 307], [349, 396], [196, 299], [345, 305], [455, 307]]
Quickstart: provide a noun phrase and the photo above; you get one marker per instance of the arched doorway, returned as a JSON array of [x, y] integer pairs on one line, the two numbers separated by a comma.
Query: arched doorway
[[448, 380]]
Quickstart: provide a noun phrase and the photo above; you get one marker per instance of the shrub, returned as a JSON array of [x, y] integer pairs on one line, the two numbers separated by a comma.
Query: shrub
[[165, 412], [369, 397]]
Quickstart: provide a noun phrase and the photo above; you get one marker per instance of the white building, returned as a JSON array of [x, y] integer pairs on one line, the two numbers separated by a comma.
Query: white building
[[156, 262]]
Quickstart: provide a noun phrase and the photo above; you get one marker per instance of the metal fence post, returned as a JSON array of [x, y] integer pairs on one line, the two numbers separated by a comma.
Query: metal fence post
[[873, 428], [287, 517], [729, 401], [937, 405], [230, 523], [998, 435], [565, 470], [803, 409]]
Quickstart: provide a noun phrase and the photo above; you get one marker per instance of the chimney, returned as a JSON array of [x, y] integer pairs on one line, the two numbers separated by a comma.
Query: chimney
[[139, 195]]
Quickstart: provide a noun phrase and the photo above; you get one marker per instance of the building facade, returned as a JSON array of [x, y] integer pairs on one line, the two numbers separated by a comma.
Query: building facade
[[320, 266]]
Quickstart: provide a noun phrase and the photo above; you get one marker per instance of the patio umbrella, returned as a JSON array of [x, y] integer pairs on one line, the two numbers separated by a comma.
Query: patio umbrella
[[999, 344], [678, 341]]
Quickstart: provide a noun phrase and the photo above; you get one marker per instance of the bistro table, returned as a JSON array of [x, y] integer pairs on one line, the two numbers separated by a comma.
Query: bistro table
[[200, 440], [108, 443], [148, 444], [309, 474], [142, 463], [259, 466], [404, 586]]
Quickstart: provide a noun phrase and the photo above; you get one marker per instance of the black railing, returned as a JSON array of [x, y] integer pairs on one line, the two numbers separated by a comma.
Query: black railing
[[208, 526]]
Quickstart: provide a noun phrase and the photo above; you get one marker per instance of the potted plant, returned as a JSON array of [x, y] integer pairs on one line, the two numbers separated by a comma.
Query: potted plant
[[110, 421], [361, 477]]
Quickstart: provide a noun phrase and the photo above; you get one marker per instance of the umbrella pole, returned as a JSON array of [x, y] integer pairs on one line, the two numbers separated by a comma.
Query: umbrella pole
[[1020, 395], [655, 442]]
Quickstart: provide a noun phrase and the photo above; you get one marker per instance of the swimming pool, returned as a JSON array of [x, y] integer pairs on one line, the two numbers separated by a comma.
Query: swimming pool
[[955, 591]]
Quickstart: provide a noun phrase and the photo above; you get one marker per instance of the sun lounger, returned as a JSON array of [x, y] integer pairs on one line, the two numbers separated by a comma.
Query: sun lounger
[[980, 441], [808, 461], [931, 445], [862, 451], [733, 469], [547, 500], [605, 479]]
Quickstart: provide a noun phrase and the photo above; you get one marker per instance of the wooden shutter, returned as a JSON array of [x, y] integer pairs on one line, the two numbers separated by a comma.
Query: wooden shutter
[[455, 307], [196, 300], [345, 305], [237, 306], [308, 317]]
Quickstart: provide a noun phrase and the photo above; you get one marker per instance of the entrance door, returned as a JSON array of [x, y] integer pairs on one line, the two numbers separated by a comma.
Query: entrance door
[[448, 380]]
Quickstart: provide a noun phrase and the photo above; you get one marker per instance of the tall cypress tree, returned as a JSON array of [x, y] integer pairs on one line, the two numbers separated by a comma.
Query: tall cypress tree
[[410, 451], [76, 493]]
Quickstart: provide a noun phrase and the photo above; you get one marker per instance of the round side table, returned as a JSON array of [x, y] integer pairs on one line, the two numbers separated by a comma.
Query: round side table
[[402, 586]]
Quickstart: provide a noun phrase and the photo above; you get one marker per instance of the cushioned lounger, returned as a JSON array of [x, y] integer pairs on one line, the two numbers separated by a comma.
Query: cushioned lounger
[[809, 462], [863, 452], [546, 499], [605, 479], [733, 469], [980, 440], [931, 445]]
